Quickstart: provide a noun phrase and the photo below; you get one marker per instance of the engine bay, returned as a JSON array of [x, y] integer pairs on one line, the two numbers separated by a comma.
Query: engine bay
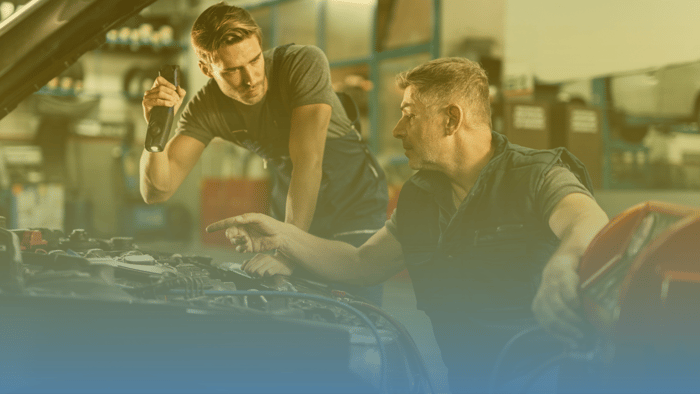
[[287, 321]]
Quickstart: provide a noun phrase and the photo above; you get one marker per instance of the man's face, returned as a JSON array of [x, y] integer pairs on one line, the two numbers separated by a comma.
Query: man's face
[[420, 131], [239, 70]]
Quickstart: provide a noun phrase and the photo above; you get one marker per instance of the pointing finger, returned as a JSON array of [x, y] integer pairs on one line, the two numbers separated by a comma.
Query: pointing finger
[[221, 225]]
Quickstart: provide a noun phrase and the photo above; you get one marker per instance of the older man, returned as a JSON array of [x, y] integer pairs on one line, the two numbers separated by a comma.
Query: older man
[[489, 231]]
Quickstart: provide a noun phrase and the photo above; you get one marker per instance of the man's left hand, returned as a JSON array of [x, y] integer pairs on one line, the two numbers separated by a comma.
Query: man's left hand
[[576, 220], [556, 305], [268, 265]]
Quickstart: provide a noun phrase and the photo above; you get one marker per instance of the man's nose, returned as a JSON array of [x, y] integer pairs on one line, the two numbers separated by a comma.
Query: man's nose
[[247, 76], [398, 131]]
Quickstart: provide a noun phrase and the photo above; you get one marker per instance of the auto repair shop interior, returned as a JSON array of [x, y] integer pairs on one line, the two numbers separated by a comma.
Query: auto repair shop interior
[[111, 283]]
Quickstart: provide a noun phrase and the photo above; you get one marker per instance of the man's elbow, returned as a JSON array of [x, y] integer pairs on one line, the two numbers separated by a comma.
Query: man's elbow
[[153, 196], [154, 200]]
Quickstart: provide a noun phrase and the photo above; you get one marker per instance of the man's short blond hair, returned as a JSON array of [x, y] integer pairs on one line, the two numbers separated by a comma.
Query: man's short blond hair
[[220, 25], [453, 78]]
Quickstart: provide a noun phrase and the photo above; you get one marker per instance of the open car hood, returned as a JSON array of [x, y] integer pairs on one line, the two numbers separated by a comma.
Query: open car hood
[[45, 37]]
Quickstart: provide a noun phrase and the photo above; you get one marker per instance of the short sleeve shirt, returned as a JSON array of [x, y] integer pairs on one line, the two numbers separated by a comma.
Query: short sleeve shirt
[[558, 183], [304, 79]]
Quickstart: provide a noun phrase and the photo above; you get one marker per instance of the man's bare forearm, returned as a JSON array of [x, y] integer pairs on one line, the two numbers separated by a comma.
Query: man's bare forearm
[[333, 260], [375, 261], [575, 240], [307, 138], [579, 234], [576, 220], [303, 194], [155, 177]]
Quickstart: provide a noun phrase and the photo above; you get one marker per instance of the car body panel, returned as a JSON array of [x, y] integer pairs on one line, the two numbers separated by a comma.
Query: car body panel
[[45, 37]]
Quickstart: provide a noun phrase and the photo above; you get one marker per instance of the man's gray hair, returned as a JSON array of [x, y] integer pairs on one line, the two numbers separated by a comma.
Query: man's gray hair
[[440, 80]]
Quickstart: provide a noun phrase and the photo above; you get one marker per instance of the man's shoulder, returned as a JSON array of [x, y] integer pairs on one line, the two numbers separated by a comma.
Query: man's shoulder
[[299, 53], [200, 117], [303, 74], [203, 104], [205, 93], [543, 160], [522, 156], [304, 50]]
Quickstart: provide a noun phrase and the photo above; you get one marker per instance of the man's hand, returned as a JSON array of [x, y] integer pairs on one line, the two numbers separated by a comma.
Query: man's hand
[[576, 220], [255, 232], [162, 94], [251, 232], [265, 264], [556, 305]]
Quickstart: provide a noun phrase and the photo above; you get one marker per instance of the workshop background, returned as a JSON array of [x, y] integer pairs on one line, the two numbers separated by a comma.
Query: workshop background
[[618, 83]]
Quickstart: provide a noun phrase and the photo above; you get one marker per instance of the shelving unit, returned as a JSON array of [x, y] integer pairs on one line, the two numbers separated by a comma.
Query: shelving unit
[[148, 49], [626, 163], [159, 52]]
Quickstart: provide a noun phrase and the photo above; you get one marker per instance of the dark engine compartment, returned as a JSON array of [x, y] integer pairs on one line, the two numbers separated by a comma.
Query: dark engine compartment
[[93, 315]]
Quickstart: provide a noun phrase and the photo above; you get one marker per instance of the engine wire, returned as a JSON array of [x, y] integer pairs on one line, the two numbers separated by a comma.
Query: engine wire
[[532, 376]]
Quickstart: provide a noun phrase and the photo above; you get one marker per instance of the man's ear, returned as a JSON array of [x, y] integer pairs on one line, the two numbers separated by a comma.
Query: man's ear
[[206, 69], [454, 119]]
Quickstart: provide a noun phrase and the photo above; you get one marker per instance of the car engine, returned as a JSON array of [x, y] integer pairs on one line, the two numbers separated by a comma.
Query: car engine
[[140, 320]]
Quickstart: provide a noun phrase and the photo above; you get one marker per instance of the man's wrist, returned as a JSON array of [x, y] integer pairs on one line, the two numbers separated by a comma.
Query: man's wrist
[[285, 239], [566, 261], [152, 153]]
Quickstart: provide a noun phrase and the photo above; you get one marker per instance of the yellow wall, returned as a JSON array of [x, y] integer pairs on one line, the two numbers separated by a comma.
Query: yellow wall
[[564, 40]]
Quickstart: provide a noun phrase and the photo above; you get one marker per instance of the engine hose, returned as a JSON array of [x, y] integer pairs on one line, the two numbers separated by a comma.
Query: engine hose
[[567, 355], [541, 368], [404, 334], [402, 346], [192, 289]]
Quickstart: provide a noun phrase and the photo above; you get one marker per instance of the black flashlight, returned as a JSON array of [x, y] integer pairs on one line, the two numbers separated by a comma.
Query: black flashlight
[[162, 117]]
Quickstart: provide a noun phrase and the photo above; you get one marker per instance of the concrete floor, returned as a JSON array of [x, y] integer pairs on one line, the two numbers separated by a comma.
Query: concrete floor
[[399, 301]]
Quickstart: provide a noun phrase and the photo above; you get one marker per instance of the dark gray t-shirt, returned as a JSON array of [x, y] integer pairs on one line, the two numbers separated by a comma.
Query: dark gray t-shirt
[[304, 78], [558, 183]]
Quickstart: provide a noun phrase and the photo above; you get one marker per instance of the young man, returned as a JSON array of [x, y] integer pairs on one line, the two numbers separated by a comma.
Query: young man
[[489, 231], [280, 105]]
